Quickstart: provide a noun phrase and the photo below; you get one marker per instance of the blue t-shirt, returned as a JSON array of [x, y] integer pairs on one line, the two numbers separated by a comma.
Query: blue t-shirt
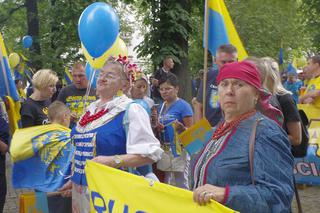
[[213, 110], [176, 111]]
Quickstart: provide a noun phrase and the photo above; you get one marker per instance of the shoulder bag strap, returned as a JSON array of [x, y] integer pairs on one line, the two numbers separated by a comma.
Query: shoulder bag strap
[[252, 141]]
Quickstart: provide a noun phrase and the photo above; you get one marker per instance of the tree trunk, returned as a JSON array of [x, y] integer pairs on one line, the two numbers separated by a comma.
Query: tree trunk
[[33, 30], [182, 70]]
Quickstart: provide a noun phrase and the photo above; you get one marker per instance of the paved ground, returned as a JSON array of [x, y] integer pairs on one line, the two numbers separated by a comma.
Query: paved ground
[[12, 201], [309, 197]]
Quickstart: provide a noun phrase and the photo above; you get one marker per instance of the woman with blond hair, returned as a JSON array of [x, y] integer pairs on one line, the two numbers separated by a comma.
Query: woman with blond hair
[[34, 110], [283, 99]]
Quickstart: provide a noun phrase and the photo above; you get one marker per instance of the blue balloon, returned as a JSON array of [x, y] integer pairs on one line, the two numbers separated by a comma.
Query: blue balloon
[[98, 28], [89, 73], [27, 41]]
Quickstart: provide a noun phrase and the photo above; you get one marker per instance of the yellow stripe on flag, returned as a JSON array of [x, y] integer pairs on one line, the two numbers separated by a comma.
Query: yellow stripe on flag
[[220, 7], [21, 144], [196, 131], [118, 190], [3, 47], [13, 114]]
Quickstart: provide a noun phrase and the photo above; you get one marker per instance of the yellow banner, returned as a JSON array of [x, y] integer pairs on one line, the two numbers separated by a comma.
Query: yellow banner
[[112, 190]]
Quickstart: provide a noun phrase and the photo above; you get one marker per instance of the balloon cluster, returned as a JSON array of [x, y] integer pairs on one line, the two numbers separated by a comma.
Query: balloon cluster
[[98, 30]]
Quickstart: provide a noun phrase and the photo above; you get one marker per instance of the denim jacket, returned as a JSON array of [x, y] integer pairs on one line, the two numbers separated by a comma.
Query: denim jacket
[[272, 172]]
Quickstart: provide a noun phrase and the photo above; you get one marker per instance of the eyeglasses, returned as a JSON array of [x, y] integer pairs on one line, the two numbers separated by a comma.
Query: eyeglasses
[[103, 76], [165, 89]]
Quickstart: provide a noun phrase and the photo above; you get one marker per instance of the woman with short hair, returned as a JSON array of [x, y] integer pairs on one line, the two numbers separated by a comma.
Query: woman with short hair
[[34, 111]]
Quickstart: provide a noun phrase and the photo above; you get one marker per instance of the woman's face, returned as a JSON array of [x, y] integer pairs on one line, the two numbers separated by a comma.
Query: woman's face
[[236, 97], [110, 81], [168, 92], [48, 91], [139, 89]]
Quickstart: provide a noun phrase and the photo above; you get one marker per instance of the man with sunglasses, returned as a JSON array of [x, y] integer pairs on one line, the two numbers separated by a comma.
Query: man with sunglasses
[[73, 95], [226, 53]]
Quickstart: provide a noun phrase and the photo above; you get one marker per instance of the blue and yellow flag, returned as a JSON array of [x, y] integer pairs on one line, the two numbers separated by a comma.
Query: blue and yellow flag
[[221, 29], [196, 136], [67, 76], [281, 56], [8, 89], [41, 157], [35, 202], [112, 190], [7, 86]]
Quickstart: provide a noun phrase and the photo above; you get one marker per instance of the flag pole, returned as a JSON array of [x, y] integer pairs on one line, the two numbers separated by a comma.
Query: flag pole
[[205, 62]]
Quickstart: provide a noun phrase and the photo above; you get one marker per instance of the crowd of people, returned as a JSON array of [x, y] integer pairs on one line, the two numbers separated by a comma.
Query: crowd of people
[[126, 123]]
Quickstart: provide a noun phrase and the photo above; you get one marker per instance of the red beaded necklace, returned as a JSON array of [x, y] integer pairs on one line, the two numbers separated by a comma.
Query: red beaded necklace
[[87, 118], [224, 127]]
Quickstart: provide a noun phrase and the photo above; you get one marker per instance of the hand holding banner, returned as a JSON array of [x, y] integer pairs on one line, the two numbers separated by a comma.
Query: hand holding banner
[[112, 190]]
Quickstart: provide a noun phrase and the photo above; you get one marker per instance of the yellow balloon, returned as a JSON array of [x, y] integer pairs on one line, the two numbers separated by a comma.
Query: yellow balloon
[[14, 60], [118, 48]]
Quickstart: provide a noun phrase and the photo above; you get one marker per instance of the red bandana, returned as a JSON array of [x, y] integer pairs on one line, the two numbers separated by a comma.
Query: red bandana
[[244, 71]]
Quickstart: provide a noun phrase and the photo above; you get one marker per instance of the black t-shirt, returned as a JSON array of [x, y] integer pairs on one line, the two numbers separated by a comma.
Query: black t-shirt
[[289, 109], [74, 98], [34, 113], [213, 111]]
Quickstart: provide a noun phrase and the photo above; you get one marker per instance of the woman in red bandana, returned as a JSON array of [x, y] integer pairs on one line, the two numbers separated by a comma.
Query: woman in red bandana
[[224, 170]]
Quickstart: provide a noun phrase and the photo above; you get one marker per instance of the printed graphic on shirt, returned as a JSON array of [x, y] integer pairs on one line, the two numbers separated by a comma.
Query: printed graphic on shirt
[[311, 88], [45, 110], [75, 104], [214, 99]]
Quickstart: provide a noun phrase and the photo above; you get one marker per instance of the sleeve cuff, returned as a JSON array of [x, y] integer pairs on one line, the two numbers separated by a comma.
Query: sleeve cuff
[[226, 194]]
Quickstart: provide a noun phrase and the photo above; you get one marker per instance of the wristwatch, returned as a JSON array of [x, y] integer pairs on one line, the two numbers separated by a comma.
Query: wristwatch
[[118, 161]]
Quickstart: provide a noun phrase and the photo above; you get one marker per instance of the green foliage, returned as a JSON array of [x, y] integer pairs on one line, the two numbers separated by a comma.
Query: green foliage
[[58, 38], [265, 27], [196, 51], [310, 10], [164, 19]]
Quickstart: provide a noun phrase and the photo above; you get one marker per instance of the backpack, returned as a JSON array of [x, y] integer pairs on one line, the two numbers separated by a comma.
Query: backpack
[[300, 151]]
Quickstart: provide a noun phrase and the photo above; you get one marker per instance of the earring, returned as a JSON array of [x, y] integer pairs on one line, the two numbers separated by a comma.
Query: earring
[[255, 101]]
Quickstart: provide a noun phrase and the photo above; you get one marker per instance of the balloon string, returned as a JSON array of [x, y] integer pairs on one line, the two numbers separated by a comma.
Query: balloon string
[[93, 73]]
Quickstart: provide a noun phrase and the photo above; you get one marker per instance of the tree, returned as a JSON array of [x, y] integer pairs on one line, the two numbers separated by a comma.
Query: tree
[[168, 27], [264, 28], [310, 10], [53, 25]]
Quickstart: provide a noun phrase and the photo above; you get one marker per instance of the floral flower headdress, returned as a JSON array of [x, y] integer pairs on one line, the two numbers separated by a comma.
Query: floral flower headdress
[[132, 71]]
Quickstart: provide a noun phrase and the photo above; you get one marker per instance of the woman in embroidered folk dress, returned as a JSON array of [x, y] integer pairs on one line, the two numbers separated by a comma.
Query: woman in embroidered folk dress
[[103, 135], [221, 171]]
